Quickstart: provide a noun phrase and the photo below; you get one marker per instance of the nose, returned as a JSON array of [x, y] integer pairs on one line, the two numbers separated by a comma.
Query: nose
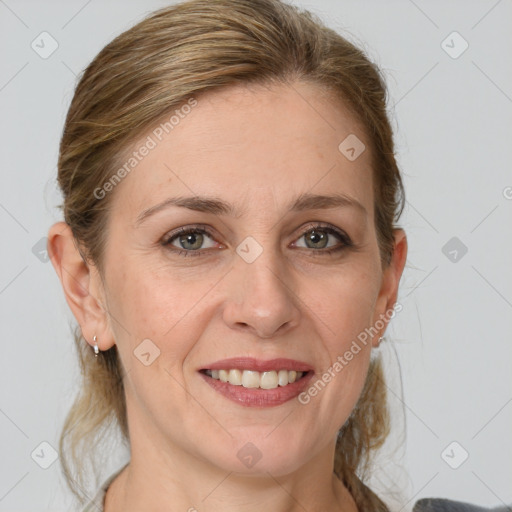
[[260, 298]]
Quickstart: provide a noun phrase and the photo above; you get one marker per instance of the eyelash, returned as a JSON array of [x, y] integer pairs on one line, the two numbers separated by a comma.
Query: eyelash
[[345, 239]]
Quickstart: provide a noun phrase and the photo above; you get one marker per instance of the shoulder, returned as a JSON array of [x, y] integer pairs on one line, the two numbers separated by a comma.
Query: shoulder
[[444, 505]]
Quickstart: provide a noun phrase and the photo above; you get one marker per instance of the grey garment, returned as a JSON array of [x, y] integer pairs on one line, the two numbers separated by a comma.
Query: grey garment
[[444, 505]]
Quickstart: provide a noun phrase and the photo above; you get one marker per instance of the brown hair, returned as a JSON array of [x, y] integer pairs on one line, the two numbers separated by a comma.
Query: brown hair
[[173, 55]]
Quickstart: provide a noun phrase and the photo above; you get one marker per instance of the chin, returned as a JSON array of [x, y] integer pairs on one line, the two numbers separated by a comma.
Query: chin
[[254, 452]]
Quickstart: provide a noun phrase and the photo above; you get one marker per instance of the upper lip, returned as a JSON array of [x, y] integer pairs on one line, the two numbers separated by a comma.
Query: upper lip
[[259, 365]]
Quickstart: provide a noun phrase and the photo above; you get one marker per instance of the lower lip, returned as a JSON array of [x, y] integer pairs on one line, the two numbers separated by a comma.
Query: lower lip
[[257, 397]]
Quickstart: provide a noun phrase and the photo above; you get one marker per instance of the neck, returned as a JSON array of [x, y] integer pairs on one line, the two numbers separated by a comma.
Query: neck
[[157, 480], [135, 491], [167, 475]]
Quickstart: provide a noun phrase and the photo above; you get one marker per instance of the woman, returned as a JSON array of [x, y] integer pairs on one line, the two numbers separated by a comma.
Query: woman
[[231, 256]]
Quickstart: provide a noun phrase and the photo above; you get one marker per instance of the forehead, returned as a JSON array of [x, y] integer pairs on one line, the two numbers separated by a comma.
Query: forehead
[[250, 143]]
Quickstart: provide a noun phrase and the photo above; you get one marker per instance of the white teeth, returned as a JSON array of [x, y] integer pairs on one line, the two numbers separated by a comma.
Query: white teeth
[[235, 377], [282, 377], [268, 380], [252, 379]]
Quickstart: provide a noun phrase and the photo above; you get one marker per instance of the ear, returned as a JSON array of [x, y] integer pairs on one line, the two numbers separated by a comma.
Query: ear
[[82, 285], [389, 287]]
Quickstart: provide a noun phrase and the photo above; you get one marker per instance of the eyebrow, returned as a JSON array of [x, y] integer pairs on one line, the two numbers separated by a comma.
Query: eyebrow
[[216, 206]]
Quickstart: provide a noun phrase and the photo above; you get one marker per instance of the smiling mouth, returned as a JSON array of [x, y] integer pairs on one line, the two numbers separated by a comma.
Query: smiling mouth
[[256, 380]]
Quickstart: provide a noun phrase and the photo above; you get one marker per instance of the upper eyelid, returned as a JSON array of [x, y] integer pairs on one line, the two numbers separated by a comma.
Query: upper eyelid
[[210, 232]]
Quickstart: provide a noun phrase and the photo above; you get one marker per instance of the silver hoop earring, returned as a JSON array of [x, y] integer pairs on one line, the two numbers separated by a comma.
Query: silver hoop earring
[[375, 349], [96, 349]]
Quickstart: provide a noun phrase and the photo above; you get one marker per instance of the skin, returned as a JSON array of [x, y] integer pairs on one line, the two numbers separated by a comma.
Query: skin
[[256, 148]]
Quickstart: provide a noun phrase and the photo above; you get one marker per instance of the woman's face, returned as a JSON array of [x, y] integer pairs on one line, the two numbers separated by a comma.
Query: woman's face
[[248, 279]]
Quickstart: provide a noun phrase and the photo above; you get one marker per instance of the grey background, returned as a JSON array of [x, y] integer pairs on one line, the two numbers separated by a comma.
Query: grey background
[[453, 338]]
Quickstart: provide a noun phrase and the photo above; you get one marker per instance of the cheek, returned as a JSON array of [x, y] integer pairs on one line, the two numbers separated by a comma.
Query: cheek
[[149, 303], [344, 304], [343, 311]]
